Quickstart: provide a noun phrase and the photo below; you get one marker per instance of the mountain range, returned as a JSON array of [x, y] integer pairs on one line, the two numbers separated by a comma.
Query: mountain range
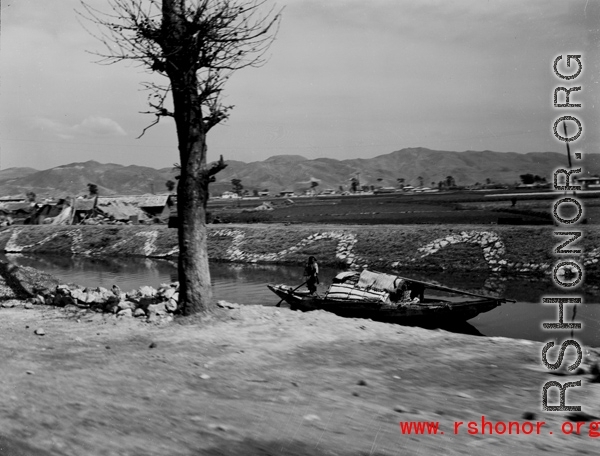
[[294, 172]]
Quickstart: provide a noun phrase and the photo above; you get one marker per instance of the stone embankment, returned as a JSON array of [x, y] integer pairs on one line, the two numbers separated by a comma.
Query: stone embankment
[[494, 249], [146, 302], [26, 286], [22, 286]]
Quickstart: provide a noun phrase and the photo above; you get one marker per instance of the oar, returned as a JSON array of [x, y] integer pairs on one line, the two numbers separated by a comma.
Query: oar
[[303, 283], [450, 290]]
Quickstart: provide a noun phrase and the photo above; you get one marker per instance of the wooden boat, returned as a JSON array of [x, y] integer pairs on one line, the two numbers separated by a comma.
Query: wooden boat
[[390, 298]]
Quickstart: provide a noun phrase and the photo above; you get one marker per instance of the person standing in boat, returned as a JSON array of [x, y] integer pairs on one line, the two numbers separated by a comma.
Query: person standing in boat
[[312, 272]]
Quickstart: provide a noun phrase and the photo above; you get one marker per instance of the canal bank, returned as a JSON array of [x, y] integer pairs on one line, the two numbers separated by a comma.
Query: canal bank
[[482, 248]]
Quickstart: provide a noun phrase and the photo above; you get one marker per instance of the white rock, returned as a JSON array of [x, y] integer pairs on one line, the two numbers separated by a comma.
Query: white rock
[[154, 308], [124, 305], [147, 291], [125, 313], [169, 292], [171, 305], [78, 295]]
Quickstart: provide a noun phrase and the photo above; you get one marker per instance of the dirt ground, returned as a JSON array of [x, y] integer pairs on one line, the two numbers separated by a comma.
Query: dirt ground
[[267, 381]]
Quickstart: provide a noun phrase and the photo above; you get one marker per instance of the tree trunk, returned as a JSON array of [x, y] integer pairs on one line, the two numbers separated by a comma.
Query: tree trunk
[[194, 276], [192, 192], [192, 195]]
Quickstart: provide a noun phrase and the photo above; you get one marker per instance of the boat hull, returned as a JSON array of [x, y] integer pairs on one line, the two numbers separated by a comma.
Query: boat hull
[[434, 313]]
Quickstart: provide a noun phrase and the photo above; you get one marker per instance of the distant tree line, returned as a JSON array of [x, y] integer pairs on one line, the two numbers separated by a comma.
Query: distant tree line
[[529, 179]]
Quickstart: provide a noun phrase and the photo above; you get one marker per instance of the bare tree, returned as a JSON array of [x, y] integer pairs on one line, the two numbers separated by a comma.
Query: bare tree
[[196, 45], [237, 187], [92, 190]]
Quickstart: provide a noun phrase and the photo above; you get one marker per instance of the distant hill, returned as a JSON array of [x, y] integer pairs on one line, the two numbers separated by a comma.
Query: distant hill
[[72, 179], [7, 175], [295, 172]]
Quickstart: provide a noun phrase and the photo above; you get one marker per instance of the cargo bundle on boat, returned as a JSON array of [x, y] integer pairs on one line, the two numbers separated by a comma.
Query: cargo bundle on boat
[[390, 298]]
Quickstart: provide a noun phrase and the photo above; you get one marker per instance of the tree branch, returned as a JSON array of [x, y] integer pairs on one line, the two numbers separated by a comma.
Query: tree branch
[[216, 167], [202, 42]]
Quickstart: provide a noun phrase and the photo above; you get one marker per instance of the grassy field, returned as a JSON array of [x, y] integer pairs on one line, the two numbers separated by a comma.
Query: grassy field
[[432, 208]]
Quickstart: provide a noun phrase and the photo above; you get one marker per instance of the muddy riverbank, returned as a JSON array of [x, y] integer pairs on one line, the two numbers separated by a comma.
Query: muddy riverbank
[[492, 248]]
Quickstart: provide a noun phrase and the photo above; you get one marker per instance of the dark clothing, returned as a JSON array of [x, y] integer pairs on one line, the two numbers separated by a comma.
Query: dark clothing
[[312, 271]]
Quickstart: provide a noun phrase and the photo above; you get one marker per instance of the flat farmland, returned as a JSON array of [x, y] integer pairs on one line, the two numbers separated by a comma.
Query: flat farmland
[[374, 211], [435, 208]]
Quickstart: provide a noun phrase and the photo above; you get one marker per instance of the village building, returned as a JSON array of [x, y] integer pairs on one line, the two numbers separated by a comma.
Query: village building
[[327, 192], [592, 182], [229, 195], [142, 206], [15, 211], [12, 199], [59, 212], [136, 208]]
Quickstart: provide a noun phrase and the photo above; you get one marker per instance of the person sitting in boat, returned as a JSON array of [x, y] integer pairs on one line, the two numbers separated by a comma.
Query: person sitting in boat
[[401, 293], [404, 293], [312, 272]]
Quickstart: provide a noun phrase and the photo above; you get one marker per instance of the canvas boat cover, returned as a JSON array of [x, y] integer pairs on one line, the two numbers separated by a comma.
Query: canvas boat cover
[[379, 281], [344, 291], [368, 286], [346, 276]]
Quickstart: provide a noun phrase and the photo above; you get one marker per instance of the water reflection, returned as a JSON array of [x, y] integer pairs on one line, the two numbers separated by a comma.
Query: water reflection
[[128, 273], [246, 284]]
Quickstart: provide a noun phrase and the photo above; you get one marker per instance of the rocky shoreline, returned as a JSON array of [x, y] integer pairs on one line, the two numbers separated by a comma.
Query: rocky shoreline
[[25, 286]]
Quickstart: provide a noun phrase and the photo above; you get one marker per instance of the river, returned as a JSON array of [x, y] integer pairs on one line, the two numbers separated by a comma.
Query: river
[[246, 284]]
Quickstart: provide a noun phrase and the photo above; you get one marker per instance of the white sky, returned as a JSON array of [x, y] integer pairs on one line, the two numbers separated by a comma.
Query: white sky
[[345, 79]]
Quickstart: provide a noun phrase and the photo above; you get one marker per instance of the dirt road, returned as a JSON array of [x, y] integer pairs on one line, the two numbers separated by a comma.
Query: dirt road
[[266, 381]]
